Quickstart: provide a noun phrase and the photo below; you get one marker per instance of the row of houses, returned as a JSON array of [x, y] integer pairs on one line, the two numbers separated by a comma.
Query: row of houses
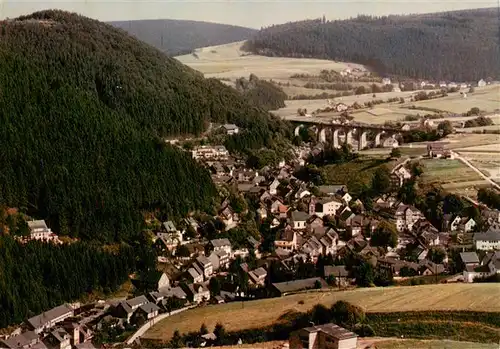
[[57, 328]]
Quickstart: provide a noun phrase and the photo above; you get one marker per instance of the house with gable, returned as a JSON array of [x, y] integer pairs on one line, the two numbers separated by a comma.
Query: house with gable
[[258, 276], [227, 216], [197, 293], [170, 235], [312, 248], [230, 129], [221, 244], [195, 275], [463, 224], [329, 242], [273, 187], [287, 239], [399, 175], [205, 265], [298, 220], [489, 266], [406, 216], [325, 206], [323, 337]]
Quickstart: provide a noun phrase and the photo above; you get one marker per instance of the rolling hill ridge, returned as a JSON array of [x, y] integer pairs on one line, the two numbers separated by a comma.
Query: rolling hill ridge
[[177, 37], [84, 108], [459, 46]]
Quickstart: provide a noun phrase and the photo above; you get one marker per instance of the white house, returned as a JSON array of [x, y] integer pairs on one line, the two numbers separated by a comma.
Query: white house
[[222, 244], [386, 81], [346, 198], [198, 293], [298, 219], [402, 173], [464, 224], [327, 206]]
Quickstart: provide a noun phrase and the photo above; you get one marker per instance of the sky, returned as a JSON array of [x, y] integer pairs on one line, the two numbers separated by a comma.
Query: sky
[[254, 13]]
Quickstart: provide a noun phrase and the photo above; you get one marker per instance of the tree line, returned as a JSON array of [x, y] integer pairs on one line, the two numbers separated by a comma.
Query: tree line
[[38, 276], [410, 46]]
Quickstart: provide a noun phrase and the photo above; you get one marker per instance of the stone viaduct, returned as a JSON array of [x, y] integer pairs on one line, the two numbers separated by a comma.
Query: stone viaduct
[[328, 132]]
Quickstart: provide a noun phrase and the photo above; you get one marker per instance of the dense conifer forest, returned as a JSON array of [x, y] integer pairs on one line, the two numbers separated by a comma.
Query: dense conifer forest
[[460, 45], [84, 108], [262, 93], [178, 37], [38, 276]]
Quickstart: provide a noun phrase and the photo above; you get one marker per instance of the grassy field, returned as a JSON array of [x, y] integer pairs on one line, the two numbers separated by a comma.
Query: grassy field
[[431, 344], [485, 98], [447, 171], [260, 313], [229, 62], [453, 175]]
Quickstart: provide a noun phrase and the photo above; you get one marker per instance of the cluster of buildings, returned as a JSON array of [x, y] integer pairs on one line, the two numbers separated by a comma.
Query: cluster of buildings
[[63, 327]]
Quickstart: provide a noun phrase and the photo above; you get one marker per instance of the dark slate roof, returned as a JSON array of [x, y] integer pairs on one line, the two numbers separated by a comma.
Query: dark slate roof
[[299, 216], [126, 307], [134, 302], [49, 315], [149, 308], [298, 285], [469, 257], [220, 242], [490, 235], [20, 341]]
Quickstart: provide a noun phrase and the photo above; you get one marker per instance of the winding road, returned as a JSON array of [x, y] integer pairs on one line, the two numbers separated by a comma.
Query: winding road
[[467, 162]]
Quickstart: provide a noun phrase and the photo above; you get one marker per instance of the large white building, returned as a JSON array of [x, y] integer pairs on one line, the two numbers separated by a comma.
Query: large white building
[[209, 152], [488, 241]]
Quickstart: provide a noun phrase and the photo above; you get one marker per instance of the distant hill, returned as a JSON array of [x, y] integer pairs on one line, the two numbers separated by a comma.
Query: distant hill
[[84, 109], [177, 37], [461, 45]]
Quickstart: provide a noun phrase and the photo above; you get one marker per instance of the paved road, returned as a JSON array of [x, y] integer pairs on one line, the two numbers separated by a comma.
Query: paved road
[[150, 323], [465, 161]]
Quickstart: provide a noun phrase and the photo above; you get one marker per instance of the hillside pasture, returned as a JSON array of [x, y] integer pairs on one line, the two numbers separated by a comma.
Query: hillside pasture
[[265, 312], [485, 98], [230, 62]]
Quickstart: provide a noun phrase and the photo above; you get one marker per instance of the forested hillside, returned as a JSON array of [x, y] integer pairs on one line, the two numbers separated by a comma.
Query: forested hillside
[[461, 45], [83, 110], [36, 277], [262, 93], [178, 37]]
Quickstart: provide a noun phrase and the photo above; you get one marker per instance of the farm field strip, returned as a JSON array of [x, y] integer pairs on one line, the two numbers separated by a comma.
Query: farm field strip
[[430, 344], [264, 312]]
